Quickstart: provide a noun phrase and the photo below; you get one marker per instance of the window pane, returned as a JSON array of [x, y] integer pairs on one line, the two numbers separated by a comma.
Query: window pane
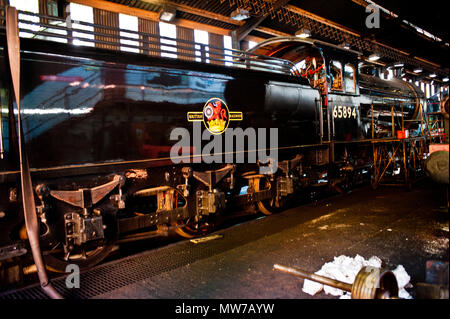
[[30, 6], [251, 44], [349, 76], [300, 65], [82, 13], [127, 22], [33, 7], [390, 74], [201, 37], [311, 67], [170, 31], [52, 8], [227, 44], [336, 75]]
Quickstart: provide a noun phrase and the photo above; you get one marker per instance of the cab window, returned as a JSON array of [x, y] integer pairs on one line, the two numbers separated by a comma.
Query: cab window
[[311, 67], [349, 79], [336, 76]]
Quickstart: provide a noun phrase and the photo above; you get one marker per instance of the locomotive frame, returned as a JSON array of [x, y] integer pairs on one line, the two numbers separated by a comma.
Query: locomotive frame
[[119, 185]]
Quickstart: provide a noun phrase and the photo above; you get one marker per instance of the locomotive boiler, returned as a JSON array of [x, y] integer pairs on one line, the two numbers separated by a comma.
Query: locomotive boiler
[[97, 129]]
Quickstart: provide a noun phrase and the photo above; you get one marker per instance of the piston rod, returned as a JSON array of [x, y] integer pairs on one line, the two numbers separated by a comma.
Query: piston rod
[[317, 278], [370, 282]]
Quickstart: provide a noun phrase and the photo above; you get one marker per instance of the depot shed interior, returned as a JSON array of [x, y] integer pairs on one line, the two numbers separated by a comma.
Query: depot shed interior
[[413, 34], [410, 39]]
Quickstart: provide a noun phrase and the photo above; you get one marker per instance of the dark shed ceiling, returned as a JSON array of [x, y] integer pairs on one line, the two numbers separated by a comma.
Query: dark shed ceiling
[[430, 15]]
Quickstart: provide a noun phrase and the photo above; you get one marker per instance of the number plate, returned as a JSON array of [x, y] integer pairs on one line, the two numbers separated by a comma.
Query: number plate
[[346, 112]]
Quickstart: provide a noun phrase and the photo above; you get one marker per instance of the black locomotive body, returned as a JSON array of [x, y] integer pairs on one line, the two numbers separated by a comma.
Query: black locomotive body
[[91, 107], [97, 129]]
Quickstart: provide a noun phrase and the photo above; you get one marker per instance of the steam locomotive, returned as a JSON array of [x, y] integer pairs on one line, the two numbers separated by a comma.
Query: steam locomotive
[[98, 131]]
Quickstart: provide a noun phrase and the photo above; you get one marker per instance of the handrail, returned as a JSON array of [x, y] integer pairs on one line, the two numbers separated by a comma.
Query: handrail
[[146, 43]]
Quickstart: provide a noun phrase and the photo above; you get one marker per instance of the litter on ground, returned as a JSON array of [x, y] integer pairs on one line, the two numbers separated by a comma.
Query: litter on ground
[[345, 269]]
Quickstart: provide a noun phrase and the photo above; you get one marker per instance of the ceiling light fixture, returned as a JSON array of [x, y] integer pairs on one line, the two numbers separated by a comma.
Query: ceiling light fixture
[[432, 75], [374, 57], [240, 14], [303, 33], [445, 79], [418, 70], [167, 14]]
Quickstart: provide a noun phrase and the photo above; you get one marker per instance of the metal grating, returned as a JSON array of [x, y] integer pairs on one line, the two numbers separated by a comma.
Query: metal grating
[[117, 274], [212, 22], [120, 273], [139, 4]]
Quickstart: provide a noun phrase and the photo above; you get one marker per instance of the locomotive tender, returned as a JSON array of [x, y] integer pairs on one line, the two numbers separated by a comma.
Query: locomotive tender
[[97, 125]]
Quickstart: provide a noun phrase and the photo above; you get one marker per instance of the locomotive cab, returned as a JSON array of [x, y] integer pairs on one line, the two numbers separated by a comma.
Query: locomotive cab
[[357, 106], [327, 67], [332, 71]]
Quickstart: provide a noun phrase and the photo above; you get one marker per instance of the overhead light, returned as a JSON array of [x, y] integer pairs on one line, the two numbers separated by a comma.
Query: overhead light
[[240, 14], [303, 33], [374, 57], [445, 79], [399, 64], [432, 75], [418, 70], [346, 45], [167, 14]]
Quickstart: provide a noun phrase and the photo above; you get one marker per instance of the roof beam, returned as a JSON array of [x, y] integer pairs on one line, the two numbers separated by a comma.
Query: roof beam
[[254, 22], [272, 32], [198, 12], [148, 15], [312, 16], [118, 8]]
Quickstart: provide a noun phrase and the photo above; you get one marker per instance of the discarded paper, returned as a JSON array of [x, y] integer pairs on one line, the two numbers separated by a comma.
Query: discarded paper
[[345, 269]]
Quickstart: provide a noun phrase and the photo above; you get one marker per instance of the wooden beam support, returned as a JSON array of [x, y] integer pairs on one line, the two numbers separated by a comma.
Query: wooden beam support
[[149, 15], [201, 26], [388, 47], [314, 17], [118, 8], [253, 38], [254, 22], [428, 62], [198, 12], [273, 32]]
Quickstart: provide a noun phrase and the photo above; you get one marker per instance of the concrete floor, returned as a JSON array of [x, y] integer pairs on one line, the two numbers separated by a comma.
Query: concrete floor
[[398, 226]]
